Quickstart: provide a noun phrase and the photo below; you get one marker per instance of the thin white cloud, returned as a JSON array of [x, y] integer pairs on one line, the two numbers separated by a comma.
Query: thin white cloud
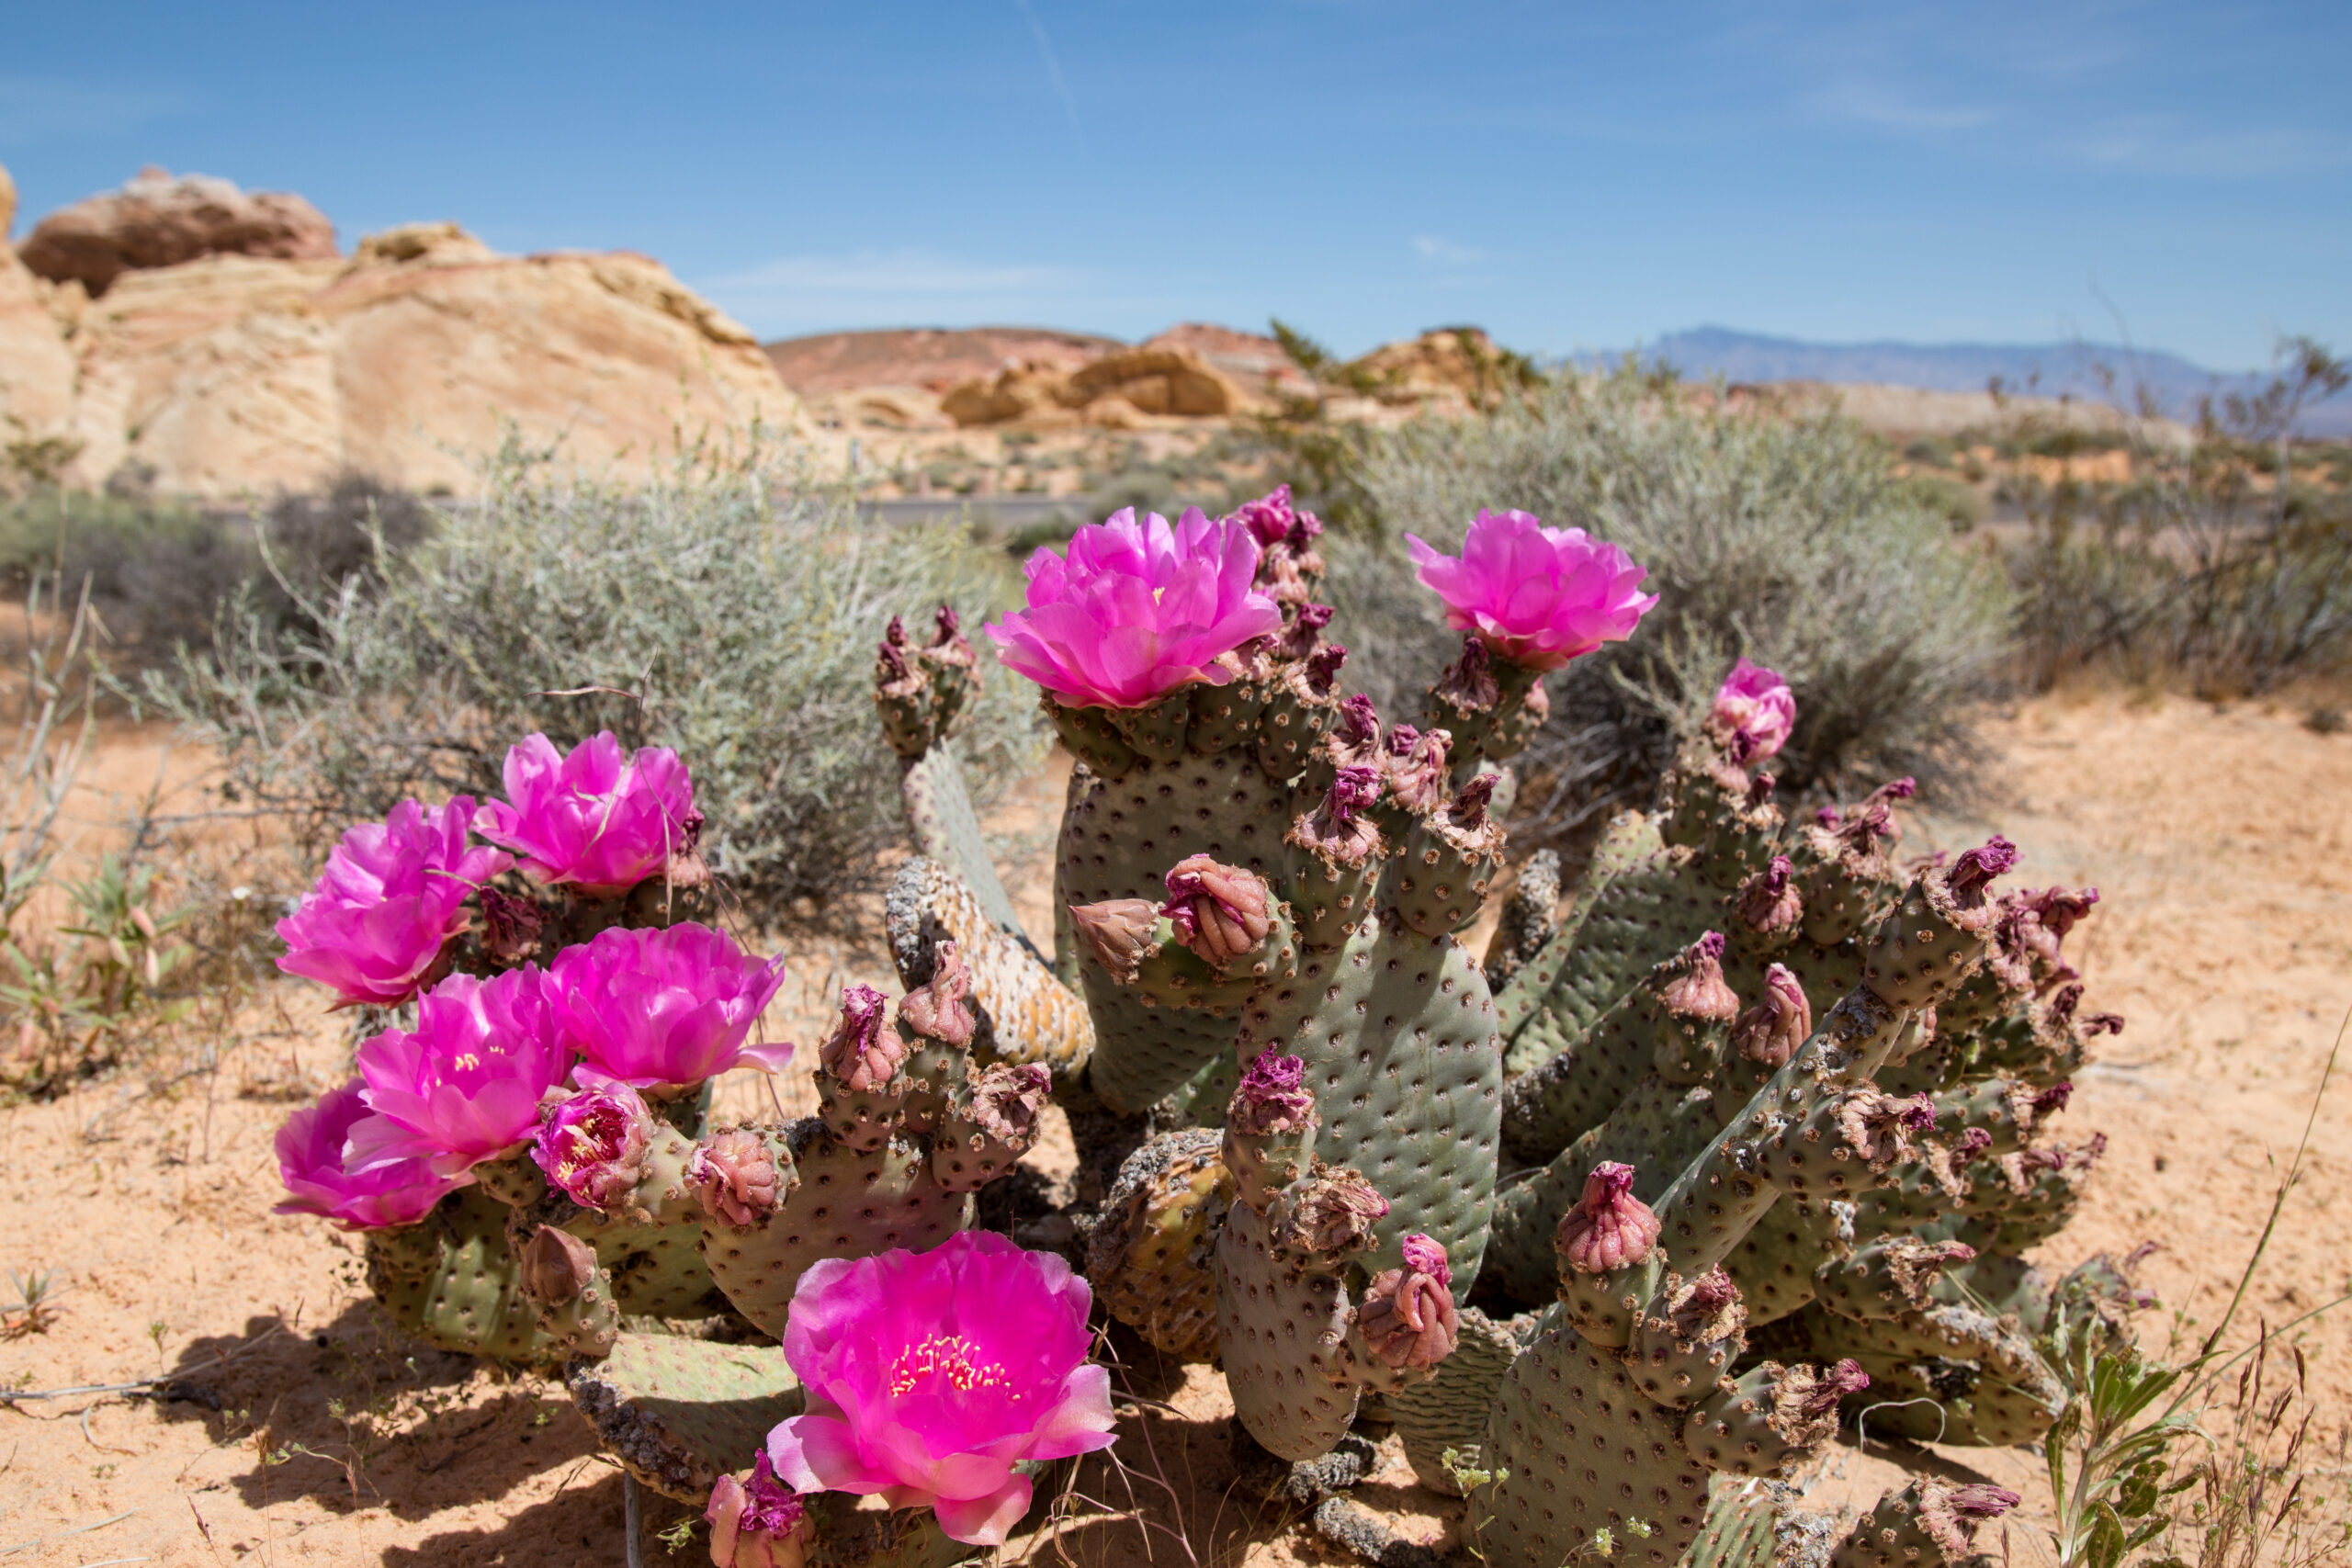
[[1053, 69], [34, 110], [2162, 144], [1879, 105], [1428, 247]]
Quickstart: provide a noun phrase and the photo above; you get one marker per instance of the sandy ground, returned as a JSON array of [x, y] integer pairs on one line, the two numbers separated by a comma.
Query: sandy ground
[[296, 1426]]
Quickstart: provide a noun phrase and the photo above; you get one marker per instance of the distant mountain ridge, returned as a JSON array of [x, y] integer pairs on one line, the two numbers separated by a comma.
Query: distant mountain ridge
[[2054, 369]]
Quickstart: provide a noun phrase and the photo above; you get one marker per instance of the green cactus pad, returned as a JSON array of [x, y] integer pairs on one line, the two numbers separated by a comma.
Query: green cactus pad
[[680, 1413], [1584, 1450], [1398, 1032], [1449, 1410], [847, 1205], [450, 1281], [1274, 1318]]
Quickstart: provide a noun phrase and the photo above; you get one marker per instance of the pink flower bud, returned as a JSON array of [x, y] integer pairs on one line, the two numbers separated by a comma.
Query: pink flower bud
[[1700, 991], [1768, 901], [938, 1008], [1535, 595], [593, 1146], [1754, 713], [1272, 1098], [862, 1050], [1270, 518], [735, 1176], [1407, 1314], [1132, 611], [1608, 1228], [1770, 1032], [762, 1525], [1221, 912], [1118, 930]]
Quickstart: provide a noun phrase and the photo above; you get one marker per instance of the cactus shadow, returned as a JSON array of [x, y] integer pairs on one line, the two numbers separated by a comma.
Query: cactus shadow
[[586, 1522], [355, 1414]]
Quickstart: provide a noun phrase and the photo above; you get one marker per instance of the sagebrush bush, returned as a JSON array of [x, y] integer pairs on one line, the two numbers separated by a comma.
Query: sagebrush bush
[[725, 610], [1790, 541]]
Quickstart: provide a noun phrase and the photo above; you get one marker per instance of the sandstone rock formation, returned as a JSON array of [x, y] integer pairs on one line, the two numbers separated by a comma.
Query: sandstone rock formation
[[1255, 362], [1448, 370], [1127, 388], [157, 219], [236, 374], [928, 357]]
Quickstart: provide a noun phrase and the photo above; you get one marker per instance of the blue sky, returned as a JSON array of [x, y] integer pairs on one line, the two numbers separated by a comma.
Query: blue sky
[[1569, 176]]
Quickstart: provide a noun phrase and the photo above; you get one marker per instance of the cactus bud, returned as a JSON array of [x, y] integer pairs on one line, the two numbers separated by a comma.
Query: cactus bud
[[1878, 1126], [510, 926], [1221, 912], [1770, 1032], [1822, 1392], [1759, 789], [948, 644], [555, 1267], [1272, 1098], [1305, 633], [1419, 778], [1470, 802], [2052, 1101], [1408, 1316], [895, 675], [1608, 1228], [1118, 930], [1355, 738], [760, 1524], [1323, 668], [1973, 870], [862, 1052], [594, 1144], [1006, 1100], [1767, 901], [937, 1008], [735, 1176], [1333, 1211], [1469, 681], [1700, 990]]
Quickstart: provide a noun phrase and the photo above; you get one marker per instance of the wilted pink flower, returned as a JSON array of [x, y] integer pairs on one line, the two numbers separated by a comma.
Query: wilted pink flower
[[758, 1524], [1608, 1228], [1977, 867], [735, 1176], [1221, 912], [1136, 610], [466, 1082], [1408, 1316], [1699, 990], [392, 895], [599, 819], [664, 1007], [1766, 899], [1272, 1098], [863, 1050], [1538, 596], [594, 1144], [939, 1008], [1754, 713], [1119, 930], [1770, 1032], [320, 1180], [930, 1374]]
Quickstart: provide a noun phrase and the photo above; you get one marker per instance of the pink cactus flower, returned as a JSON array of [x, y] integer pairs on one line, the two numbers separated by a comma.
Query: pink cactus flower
[[599, 819], [392, 895], [1754, 713], [930, 1374], [465, 1083], [593, 1146], [1138, 609], [646, 1008], [1272, 516], [321, 1181], [1535, 595]]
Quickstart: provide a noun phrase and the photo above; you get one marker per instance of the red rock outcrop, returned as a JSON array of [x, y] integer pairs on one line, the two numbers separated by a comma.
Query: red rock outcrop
[[157, 219]]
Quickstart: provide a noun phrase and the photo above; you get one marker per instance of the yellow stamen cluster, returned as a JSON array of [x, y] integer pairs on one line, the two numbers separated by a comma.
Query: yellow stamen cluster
[[949, 1356]]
